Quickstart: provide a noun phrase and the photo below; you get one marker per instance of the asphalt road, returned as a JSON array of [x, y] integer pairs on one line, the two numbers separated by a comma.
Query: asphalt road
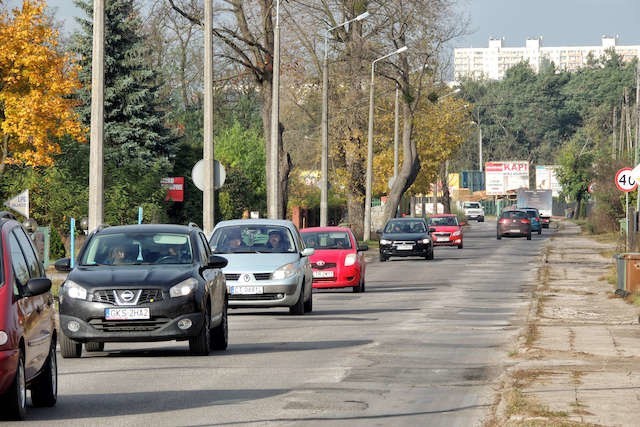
[[423, 345]]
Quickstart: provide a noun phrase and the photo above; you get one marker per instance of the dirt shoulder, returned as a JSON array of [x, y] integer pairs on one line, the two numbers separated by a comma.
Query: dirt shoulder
[[578, 359]]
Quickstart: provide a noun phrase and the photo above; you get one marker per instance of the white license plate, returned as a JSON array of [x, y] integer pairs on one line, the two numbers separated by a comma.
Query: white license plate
[[246, 290], [515, 230], [323, 274], [405, 247], [443, 239], [140, 313]]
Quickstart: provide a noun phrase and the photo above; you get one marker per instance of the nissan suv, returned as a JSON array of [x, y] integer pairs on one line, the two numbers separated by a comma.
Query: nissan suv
[[142, 283], [27, 324]]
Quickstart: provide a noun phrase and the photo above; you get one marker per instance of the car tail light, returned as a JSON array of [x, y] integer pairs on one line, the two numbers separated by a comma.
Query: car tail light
[[525, 221]]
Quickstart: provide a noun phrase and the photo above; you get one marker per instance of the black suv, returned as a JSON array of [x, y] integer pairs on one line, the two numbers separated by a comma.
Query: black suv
[[141, 283], [27, 324], [404, 237]]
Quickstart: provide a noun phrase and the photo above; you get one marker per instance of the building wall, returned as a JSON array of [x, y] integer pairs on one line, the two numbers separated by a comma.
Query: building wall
[[492, 62]]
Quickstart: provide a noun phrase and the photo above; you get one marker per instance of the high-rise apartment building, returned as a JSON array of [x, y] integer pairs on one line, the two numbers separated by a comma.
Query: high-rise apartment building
[[494, 61]]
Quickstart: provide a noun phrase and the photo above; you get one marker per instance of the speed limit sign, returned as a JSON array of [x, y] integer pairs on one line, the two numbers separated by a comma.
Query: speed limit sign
[[625, 181]]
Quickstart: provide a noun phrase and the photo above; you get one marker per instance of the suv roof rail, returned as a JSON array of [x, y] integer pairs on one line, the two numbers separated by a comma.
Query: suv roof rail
[[7, 215], [193, 224]]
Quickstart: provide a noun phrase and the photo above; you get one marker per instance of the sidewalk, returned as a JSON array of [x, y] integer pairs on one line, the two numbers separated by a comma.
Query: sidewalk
[[578, 360]]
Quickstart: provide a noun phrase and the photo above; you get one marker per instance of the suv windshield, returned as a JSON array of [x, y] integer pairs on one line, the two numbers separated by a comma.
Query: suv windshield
[[137, 248]]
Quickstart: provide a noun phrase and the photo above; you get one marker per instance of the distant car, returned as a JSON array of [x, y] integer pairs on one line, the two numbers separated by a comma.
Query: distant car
[[143, 283], [536, 220], [448, 231], [338, 261], [514, 223], [27, 325], [269, 267], [473, 210], [405, 237]]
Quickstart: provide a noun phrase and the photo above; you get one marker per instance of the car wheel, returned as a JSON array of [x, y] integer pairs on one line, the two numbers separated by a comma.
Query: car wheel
[[540, 231], [529, 236], [308, 305], [14, 401], [69, 348], [220, 334], [44, 391], [199, 345], [460, 246], [429, 255], [383, 258], [481, 219], [360, 287], [498, 236], [94, 346], [298, 307]]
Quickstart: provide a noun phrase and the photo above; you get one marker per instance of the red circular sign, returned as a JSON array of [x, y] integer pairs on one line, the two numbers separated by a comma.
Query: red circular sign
[[625, 181]]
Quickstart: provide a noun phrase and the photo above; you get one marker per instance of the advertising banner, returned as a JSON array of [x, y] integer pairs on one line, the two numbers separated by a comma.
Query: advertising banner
[[175, 188], [502, 177], [546, 179]]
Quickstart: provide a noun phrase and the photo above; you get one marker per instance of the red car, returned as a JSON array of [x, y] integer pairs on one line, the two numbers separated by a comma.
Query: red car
[[446, 230], [338, 260], [27, 324]]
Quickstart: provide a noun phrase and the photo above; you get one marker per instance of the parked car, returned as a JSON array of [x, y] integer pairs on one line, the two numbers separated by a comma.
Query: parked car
[[405, 237], [27, 325], [338, 260], [268, 267], [142, 283], [448, 231], [473, 210], [534, 217], [514, 223]]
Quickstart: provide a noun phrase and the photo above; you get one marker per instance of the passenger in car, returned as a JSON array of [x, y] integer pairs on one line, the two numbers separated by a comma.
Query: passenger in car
[[275, 241]]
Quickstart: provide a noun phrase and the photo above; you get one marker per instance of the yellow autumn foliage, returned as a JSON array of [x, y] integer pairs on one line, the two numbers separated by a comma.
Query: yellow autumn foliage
[[36, 82]]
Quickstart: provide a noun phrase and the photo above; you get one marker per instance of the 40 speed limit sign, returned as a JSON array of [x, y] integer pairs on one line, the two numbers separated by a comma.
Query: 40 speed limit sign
[[625, 180]]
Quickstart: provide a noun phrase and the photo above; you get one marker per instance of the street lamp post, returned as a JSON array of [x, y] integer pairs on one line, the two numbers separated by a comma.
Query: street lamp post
[[274, 182], [324, 159], [367, 201]]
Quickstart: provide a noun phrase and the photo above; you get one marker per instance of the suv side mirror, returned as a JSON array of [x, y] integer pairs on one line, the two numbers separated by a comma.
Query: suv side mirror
[[63, 264], [216, 261], [362, 247]]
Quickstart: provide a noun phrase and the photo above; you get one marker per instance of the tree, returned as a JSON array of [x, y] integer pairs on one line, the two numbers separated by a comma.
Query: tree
[[138, 146], [35, 84]]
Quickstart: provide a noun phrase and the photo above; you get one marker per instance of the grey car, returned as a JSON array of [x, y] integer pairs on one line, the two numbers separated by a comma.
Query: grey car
[[268, 265]]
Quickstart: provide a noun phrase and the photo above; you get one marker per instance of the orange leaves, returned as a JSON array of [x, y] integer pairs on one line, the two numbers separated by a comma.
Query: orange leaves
[[36, 82]]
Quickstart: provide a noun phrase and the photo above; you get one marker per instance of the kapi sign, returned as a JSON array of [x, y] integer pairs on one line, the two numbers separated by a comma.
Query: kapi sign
[[503, 177]]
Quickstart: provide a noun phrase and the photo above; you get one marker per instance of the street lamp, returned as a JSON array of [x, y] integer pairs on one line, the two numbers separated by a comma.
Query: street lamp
[[367, 201], [324, 158]]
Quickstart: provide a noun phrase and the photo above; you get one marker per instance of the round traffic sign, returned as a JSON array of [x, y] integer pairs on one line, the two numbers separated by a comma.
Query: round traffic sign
[[625, 181], [197, 174]]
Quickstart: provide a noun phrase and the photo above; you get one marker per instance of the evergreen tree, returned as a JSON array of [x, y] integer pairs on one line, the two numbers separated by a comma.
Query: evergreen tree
[[138, 147]]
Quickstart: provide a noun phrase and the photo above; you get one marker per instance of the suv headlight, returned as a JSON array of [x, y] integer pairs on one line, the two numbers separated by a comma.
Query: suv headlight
[[284, 272], [385, 242], [426, 241], [183, 288], [73, 290]]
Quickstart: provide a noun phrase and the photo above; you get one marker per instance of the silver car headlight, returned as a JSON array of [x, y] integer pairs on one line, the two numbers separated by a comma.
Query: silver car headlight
[[284, 272], [183, 288], [385, 242], [73, 290]]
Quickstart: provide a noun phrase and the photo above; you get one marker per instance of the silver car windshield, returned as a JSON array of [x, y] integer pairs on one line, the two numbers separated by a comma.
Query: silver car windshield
[[252, 239]]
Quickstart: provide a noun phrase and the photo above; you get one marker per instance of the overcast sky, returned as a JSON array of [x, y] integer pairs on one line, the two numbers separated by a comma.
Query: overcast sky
[[559, 22]]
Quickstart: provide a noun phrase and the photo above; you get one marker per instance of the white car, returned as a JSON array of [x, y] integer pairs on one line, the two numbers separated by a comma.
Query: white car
[[473, 210], [268, 265]]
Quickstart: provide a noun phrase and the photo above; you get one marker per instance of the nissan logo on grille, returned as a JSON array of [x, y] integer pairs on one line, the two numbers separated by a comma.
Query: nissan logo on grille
[[127, 296]]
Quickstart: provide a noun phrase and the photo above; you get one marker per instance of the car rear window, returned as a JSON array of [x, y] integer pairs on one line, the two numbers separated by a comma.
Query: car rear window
[[514, 214]]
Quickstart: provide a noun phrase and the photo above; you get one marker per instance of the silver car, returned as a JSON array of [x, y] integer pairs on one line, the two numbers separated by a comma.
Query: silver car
[[268, 264]]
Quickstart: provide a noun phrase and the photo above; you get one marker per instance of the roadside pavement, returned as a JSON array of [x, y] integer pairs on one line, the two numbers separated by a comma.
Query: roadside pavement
[[577, 362]]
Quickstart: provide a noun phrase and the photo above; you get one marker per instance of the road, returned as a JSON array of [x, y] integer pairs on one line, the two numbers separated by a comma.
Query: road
[[422, 346]]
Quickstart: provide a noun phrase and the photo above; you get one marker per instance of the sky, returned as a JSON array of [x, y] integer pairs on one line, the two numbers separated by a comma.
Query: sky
[[559, 22]]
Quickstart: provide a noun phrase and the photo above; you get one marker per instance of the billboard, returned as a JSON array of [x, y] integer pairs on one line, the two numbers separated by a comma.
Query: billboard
[[502, 177], [546, 179], [175, 188]]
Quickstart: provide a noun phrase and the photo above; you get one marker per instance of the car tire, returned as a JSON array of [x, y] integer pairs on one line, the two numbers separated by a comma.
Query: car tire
[[199, 345], [14, 401], [429, 255], [308, 305], [540, 231], [498, 236], [529, 236], [69, 348], [94, 346], [298, 308], [360, 288], [44, 391], [481, 219], [383, 258], [460, 246], [220, 334]]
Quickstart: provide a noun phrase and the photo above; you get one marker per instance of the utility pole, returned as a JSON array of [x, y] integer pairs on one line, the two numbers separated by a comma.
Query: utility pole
[[208, 192], [96, 158], [274, 203], [637, 156]]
